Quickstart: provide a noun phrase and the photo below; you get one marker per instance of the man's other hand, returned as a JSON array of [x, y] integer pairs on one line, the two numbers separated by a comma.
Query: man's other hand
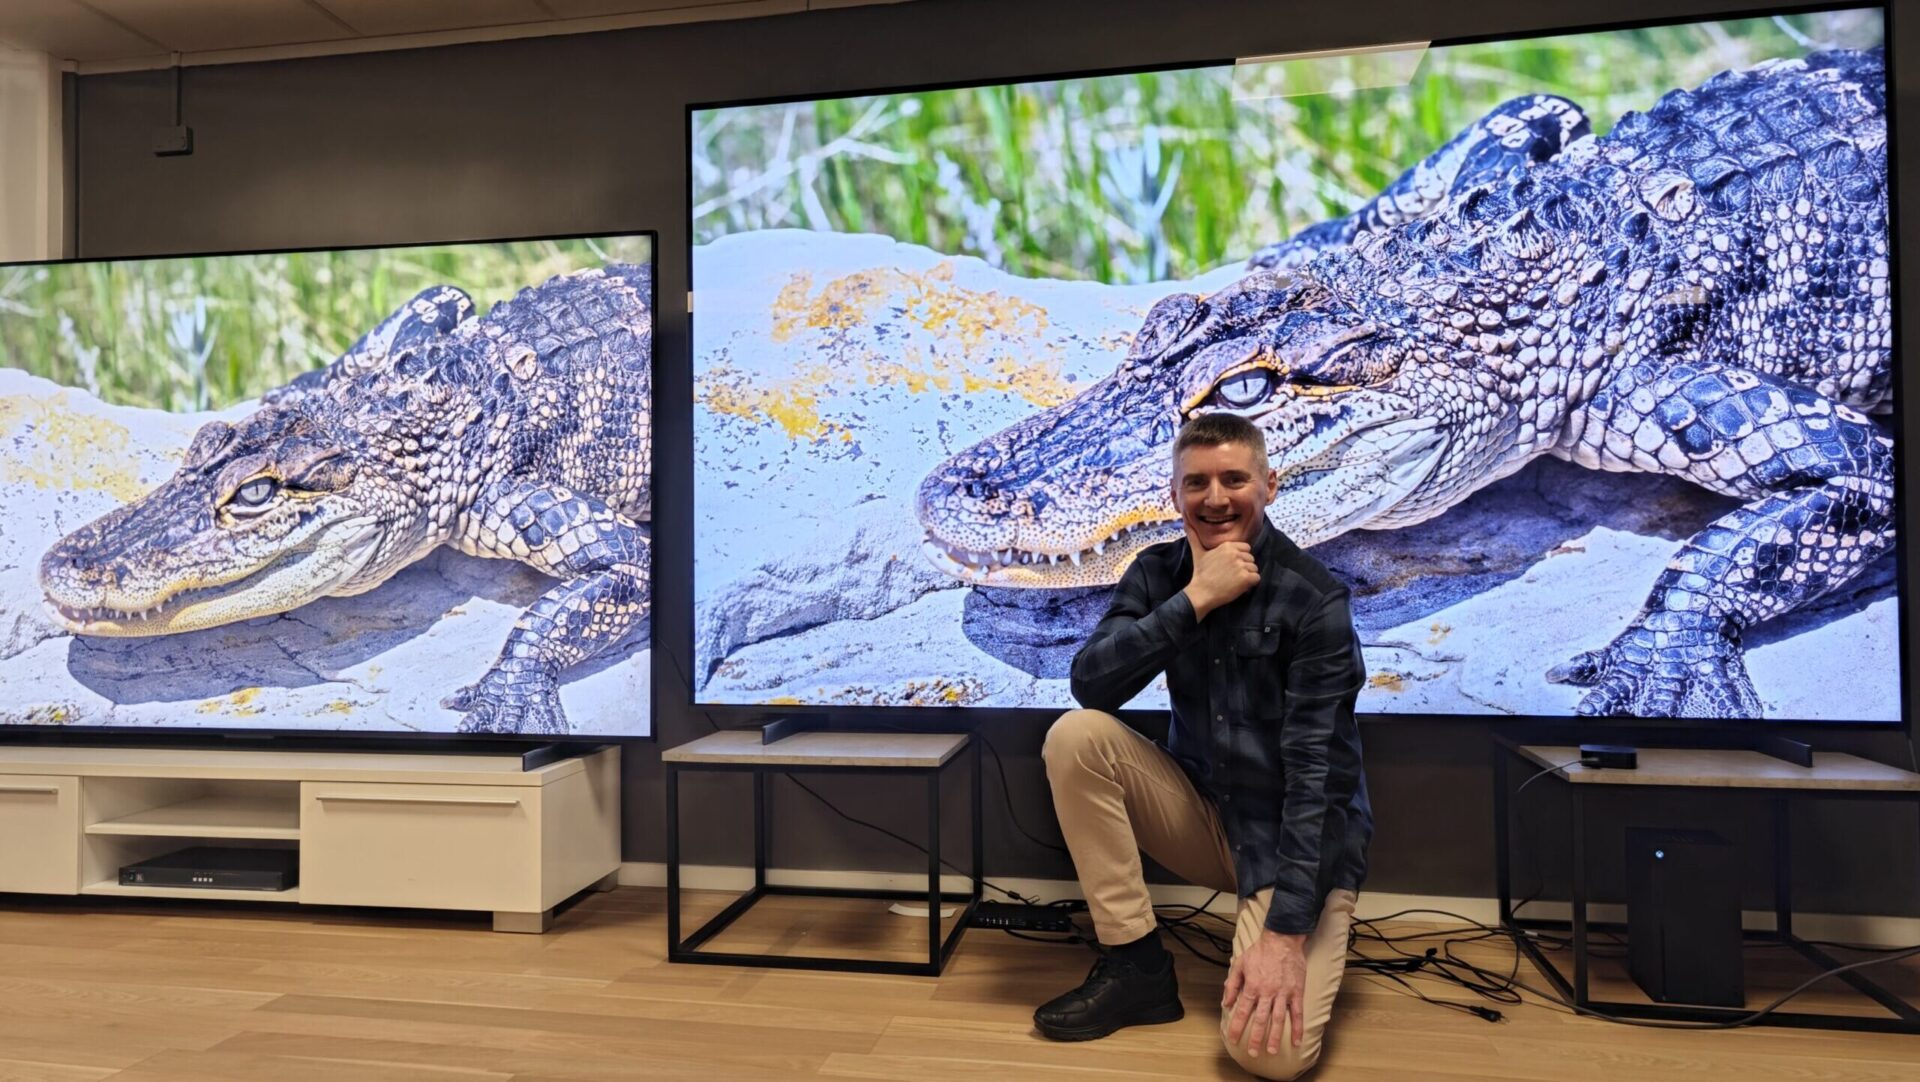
[[1265, 988], [1220, 574]]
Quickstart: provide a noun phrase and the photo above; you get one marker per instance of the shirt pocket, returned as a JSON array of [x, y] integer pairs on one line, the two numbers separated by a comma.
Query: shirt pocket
[[1257, 640], [1259, 651]]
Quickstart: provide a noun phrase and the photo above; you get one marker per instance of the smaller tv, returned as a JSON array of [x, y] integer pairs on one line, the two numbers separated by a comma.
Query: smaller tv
[[393, 491]]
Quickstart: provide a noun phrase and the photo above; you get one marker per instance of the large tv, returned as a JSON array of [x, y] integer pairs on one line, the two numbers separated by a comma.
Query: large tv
[[389, 491], [1575, 355]]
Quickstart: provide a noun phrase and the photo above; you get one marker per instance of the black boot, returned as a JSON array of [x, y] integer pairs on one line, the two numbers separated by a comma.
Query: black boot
[[1117, 993]]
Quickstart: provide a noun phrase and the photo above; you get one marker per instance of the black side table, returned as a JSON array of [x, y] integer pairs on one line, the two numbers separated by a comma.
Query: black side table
[[892, 754], [1724, 771]]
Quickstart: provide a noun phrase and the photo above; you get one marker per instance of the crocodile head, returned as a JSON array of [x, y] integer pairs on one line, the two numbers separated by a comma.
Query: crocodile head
[[1067, 497], [263, 516]]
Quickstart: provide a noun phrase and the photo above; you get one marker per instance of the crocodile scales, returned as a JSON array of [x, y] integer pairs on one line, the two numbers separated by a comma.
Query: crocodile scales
[[1702, 292], [524, 435]]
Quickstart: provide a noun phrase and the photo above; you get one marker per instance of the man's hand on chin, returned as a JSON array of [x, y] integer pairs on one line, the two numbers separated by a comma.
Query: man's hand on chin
[[1265, 988], [1220, 574]]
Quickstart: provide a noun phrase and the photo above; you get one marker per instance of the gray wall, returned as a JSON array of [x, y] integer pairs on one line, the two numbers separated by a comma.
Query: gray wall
[[587, 134]]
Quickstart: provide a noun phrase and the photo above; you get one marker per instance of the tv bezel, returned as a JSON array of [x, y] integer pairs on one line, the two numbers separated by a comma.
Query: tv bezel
[[723, 714], [310, 737]]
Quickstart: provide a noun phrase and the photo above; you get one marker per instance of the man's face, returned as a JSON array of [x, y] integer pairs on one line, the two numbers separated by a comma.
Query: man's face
[[1222, 491]]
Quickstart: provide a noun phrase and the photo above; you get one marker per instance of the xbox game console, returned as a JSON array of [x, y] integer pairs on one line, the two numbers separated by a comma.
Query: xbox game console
[[217, 868]]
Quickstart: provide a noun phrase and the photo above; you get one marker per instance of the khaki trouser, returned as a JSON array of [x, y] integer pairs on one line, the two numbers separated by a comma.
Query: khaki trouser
[[1118, 794]]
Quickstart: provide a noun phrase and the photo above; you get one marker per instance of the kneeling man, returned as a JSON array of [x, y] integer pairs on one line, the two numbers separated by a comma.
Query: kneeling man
[[1259, 788]]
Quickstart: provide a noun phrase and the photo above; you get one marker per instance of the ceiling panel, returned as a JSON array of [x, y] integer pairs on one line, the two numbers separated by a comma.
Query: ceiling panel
[[194, 26], [581, 9], [378, 17], [116, 34], [67, 30]]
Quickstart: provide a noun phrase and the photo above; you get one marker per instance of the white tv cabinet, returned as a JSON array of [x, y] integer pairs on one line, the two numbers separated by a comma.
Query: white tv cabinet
[[373, 829]]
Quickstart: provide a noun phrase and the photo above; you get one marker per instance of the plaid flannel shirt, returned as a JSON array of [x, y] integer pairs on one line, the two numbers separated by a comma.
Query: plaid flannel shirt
[[1263, 692]]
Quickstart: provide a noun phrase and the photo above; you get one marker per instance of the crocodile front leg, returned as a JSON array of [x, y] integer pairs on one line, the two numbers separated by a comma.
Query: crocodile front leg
[[602, 555], [1820, 480]]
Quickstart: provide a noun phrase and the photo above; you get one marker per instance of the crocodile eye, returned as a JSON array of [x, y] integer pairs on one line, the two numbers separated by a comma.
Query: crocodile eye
[[255, 493], [1243, 389]]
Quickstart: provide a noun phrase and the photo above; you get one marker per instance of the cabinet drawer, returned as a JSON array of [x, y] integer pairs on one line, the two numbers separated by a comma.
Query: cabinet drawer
[[39, 834], [431, 846]]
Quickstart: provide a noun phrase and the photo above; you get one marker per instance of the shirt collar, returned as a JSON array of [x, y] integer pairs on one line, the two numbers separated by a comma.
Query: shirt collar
[[1263, 540]]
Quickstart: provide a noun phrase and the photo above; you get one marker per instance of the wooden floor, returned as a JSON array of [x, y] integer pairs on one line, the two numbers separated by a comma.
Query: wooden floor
[[216, 992]]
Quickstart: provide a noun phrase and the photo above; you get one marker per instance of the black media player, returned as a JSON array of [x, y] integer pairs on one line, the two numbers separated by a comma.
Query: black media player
[[217, 868]]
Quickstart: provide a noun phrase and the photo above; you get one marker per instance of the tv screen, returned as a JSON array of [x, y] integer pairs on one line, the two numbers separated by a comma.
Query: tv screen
[[392, 490], [1573, 354]]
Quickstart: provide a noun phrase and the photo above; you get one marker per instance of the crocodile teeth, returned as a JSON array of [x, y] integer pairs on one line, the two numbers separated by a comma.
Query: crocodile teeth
[[1075, 557], [1005, 556], [1099, 548]]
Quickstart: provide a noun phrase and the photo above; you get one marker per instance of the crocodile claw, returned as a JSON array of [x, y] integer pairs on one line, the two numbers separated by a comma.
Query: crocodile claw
[[1686, 669], [503, 701]]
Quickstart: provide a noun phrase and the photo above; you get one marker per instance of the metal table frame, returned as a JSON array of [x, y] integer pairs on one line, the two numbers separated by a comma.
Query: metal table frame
[[1905, 1016], [938, 950]]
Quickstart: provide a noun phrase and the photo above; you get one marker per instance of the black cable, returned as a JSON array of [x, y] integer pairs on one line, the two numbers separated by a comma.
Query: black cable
[[1178, 935], [1071, 937], [1510, 984], [1528, 846], [1006, 792], [1543, 772], [1443, 964], [832, 807], [1732, 1023]]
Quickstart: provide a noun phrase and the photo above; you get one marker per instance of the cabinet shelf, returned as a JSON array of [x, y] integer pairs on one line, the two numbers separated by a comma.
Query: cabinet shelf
[[291, 894], [212, 816]]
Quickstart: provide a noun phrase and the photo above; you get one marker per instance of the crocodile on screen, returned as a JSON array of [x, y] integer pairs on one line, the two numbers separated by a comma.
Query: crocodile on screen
[[1702, 292], [523, 435]]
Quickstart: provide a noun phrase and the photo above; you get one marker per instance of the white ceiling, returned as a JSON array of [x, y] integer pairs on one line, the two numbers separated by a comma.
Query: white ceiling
[[98, 35]]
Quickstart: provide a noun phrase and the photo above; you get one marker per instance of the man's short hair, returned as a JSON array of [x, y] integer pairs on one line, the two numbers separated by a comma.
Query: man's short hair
[[1220, 429]]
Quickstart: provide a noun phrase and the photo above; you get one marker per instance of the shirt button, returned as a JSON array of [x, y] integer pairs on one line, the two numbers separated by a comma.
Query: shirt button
[[1226, 798], [1219, 717], [1269, 627], [1216, 661]]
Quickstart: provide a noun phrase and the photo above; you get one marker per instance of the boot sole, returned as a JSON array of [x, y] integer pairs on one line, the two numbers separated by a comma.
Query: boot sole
[[1172, 1012]]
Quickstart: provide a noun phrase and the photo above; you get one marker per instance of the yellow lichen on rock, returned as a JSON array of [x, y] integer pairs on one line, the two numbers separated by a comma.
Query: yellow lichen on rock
[[980, 341], [69, 449], [792, 403], [928, 298], [971, 314], [1391, 681], [238, 704]]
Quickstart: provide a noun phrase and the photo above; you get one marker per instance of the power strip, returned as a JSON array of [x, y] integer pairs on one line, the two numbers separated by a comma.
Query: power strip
[[1022, 918]]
